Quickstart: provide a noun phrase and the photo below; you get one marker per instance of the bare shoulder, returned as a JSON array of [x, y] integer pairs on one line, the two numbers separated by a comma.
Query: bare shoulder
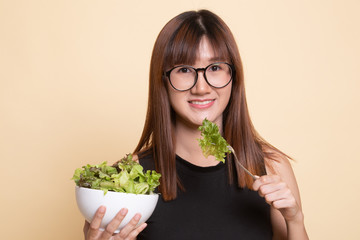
[[277, 163], [280, 165]]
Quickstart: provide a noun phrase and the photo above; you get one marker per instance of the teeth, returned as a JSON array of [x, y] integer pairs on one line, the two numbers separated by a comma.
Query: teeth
[[202, 102]]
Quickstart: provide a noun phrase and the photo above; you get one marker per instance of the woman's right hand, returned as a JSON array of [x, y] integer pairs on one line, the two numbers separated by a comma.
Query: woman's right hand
[[129, 232]]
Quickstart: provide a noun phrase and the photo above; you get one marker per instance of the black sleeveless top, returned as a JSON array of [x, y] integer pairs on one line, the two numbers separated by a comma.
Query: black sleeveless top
[[209, 208]]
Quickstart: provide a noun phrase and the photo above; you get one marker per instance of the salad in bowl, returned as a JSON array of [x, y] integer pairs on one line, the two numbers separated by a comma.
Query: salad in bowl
[[123, 185]]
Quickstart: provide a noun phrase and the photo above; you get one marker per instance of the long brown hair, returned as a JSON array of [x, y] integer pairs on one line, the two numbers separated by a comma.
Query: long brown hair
[[177, 43]]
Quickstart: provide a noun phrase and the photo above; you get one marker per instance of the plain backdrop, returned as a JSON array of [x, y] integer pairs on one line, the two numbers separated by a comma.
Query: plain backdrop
[[73, 90]]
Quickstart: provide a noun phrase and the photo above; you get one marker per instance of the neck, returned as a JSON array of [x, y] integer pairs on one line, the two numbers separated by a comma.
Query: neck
[[187, 145]]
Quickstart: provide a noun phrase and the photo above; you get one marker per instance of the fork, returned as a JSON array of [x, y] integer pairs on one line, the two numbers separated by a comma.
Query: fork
[[238, 162]]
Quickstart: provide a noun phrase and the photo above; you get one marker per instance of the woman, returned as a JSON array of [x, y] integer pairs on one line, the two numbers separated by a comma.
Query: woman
[[196, 73]]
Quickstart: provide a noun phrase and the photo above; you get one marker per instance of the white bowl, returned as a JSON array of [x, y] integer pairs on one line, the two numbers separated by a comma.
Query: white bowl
[[89, 200]]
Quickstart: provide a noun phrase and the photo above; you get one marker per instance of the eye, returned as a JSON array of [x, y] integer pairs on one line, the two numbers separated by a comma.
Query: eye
[[183, 70], [214, 68]]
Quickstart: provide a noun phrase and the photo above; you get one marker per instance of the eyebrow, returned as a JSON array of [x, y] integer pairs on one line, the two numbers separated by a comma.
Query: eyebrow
[[215, 59]]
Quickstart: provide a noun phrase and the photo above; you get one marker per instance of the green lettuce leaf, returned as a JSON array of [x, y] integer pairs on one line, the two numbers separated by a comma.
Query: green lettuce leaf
[[126, 176], [212, 143]]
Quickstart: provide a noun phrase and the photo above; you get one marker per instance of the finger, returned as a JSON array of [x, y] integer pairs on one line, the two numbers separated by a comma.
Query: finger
[[284, 203], [277, 195], [95, 223], [263, 180], [130, 226], [271, 188], [115, 223], [133, 234], [86, 227]]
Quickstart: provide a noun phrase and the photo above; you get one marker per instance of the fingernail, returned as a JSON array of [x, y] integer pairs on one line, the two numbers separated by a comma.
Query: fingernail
[[123, 211], [102, 209], [137, 217]]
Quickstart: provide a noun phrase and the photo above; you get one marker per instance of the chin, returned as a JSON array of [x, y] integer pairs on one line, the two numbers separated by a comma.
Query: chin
[[214, 119], [195, 120]]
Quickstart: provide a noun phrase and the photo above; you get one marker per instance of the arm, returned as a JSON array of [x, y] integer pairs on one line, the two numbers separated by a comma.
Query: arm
[[280, 190]]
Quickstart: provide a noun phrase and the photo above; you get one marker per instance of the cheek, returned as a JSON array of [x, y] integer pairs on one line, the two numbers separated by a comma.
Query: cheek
[[175, 99], [172, 97], [171, 94], [226, 94]]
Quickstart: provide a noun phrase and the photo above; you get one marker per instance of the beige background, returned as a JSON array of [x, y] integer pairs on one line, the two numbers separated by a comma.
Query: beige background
[[73, 90]]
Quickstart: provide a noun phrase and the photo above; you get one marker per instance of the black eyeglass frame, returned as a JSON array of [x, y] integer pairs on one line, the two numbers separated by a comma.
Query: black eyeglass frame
[[167, 74]]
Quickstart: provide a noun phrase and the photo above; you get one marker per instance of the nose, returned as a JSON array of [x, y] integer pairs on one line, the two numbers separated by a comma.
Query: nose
[[201, 87]]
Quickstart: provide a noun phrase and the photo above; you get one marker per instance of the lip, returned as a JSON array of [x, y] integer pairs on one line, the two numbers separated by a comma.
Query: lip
[[201, 103]]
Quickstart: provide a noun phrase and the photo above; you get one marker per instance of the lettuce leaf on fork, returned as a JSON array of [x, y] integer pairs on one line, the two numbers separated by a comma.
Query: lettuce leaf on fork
[[212, 143]]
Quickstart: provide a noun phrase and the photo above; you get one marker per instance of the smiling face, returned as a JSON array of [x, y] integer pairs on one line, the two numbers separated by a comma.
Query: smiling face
[[202, 101]]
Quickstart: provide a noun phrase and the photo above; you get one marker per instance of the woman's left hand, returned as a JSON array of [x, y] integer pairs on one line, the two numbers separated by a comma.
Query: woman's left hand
[[278, 195]]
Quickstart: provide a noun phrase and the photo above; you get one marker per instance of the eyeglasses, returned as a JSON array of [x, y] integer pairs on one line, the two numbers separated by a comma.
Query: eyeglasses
[[184, 77]]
